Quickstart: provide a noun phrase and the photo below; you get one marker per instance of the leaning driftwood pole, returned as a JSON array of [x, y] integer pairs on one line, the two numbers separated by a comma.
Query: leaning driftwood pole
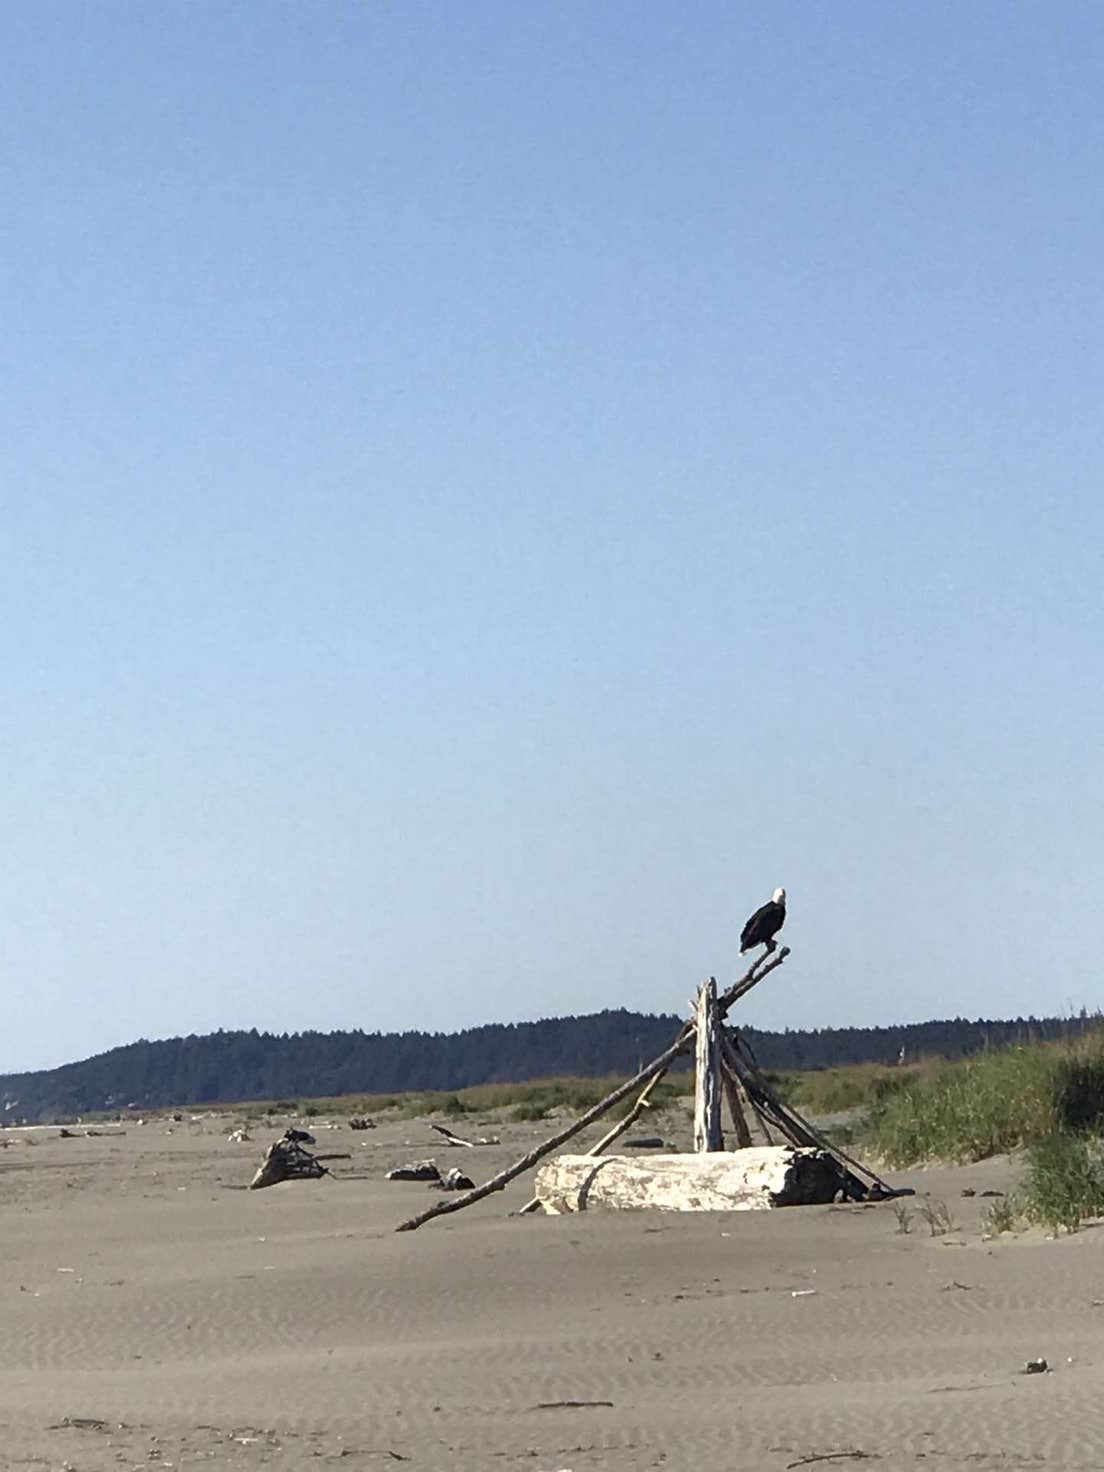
[[497, 1182], [796, 1126], [736, 1090], [643, 1102], [751, 977], [735, 1104], [707, 1071]]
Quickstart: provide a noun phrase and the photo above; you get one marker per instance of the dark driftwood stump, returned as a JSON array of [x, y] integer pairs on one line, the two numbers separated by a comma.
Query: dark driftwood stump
[[454, 1180], [287, 1160], [418, 1170]]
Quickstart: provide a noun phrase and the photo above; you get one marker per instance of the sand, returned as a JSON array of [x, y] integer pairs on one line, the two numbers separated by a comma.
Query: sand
[[157, 1314]]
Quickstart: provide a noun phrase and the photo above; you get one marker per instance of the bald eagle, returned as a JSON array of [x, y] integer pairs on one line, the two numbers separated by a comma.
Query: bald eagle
[[764, 924]]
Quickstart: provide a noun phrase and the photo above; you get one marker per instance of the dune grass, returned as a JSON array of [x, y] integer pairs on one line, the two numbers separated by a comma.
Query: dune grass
[[995, 1102], [1063, 1185], [1064, 1182], [534, 1100], [834, 1090], [823, 1091]]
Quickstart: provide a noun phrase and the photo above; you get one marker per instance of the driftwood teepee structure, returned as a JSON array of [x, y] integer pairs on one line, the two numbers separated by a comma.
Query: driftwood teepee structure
[[725, 1069]]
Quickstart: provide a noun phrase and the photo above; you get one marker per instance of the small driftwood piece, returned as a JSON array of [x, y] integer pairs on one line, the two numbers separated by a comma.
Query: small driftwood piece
[[713, 1180], [454, 1180], [707, 1072], [451, 1139], [417, 1170]]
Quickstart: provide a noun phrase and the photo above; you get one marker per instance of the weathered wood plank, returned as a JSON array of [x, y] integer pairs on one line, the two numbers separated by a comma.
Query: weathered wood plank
[[707, 1071]]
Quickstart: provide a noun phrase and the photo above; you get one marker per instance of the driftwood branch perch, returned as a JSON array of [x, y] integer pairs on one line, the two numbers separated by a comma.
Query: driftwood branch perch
[[752, 977], [754, 974]]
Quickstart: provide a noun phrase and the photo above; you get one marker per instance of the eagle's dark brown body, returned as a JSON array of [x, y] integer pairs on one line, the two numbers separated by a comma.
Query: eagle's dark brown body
[[765, 924]]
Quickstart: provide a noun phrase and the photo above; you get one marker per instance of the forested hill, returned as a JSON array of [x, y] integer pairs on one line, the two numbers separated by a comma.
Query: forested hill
[[234, 1066]]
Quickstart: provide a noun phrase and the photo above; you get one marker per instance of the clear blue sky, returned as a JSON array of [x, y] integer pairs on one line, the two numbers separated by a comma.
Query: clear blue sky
[[491, 490]]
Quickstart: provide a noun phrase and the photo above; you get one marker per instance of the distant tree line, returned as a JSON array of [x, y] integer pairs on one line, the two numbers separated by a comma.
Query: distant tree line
[[225, 1067]]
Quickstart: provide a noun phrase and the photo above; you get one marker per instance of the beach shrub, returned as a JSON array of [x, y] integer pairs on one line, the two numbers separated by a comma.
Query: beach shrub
[[1002, 1215], [1065, 1181], [937, 1214], [966, 1111], [1079, 1090], [904, 1218], [997, 1101]]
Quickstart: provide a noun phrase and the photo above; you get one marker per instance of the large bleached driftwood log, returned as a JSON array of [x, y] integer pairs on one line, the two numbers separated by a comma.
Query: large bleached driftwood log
[[738, 1180]]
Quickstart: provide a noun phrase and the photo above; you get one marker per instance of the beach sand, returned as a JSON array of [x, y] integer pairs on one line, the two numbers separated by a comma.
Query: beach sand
[[158, 1314]]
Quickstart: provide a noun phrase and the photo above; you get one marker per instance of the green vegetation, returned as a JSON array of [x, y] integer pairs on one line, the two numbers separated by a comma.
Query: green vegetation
[[998, 1101], [834, 1090], [224, 1067], [1065, 1181], [937, 1214], [536, 1100], [904, 1218], [546, 1097], [1047, 1099], [1001, 1216]]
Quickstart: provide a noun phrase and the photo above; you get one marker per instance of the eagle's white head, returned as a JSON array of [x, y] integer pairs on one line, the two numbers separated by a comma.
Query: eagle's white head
[[779, 896]]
